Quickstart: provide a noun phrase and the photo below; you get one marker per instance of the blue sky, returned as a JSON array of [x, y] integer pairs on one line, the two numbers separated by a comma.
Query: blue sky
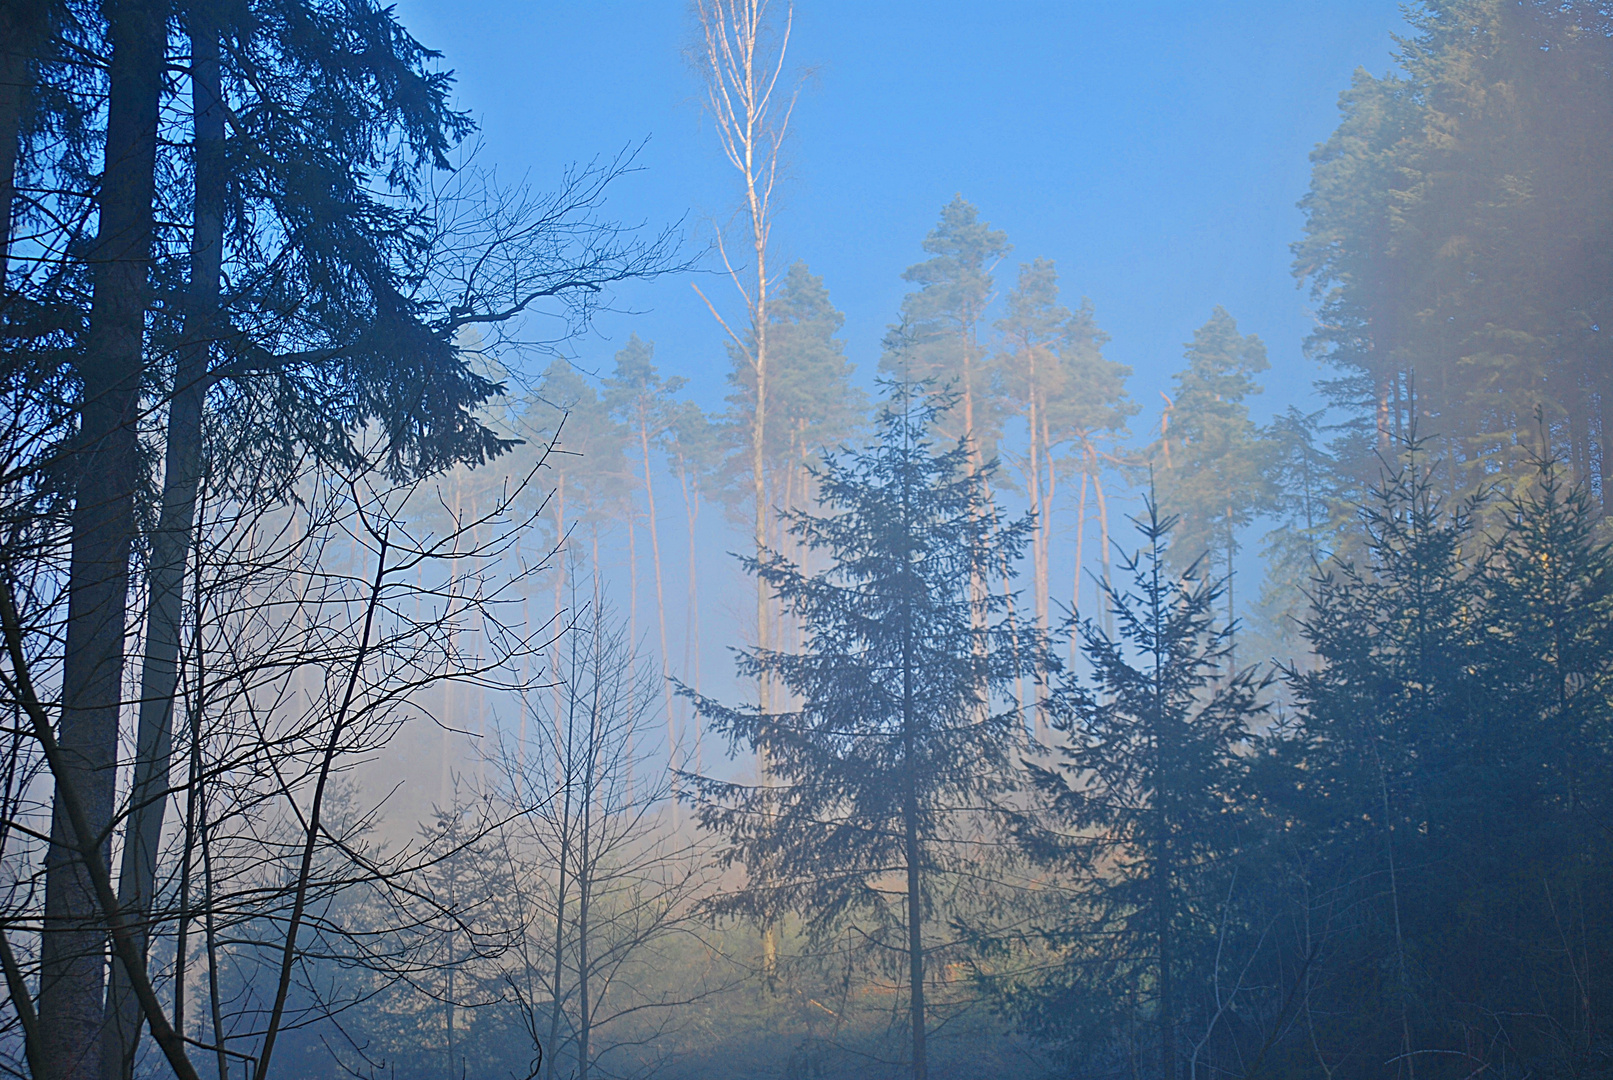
[[1154, 150]]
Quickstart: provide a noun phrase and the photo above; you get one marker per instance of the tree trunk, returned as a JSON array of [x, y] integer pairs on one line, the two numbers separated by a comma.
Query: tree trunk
[[1163, 867], [104, 464], [585, 856], [1604, 422], [1080, 555], [553, 1058], [148, 798], [915, 895], [660, 598], [1103, 555], [691, 613]]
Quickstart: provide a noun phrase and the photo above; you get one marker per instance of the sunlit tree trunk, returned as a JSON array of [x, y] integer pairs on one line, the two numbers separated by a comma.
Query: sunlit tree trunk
[[1103, 559], [1080, 556], [691, 611], [910, 828], [743, 68], [660, 593]]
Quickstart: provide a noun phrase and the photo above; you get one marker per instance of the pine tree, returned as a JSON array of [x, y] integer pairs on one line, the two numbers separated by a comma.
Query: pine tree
[[591, 472], [1212, 464], [811, 402], [895, 744], [1144, 804], [1053, 371], [638, 396], [1030, 372], [939, 335], [1457, 238]]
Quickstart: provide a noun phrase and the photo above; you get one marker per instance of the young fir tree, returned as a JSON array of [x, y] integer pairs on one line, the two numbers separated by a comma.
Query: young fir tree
[[1144, 804], [875, 780]]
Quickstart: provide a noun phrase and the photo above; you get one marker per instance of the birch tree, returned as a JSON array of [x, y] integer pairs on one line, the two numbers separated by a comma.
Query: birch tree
[[742, 55]]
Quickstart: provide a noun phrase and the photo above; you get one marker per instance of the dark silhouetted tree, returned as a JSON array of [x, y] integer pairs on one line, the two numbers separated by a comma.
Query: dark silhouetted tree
[[876, 778]]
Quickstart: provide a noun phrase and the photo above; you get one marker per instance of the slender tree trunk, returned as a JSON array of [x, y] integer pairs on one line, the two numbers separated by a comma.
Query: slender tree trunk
[[915, 892], [586, 855], [1383, 421], [1604, 424], [24, 29], [1080, 564], [1038, 507], [660, 598], [632, 578], [445, 768], [181, 477], [564, 569], [751, 129], [1103, 536], [563, 865], [104, 464], [1163, 867], [215, 999], [691, 611], [1232, 609]]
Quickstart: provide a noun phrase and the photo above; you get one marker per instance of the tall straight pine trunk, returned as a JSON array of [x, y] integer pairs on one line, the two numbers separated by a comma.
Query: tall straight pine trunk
[[660, 593], [103, 464], [173, 539]]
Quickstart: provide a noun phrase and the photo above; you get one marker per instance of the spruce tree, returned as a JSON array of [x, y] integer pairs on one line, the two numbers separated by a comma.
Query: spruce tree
[[1442, 781], [1144, 801], [875, 779]]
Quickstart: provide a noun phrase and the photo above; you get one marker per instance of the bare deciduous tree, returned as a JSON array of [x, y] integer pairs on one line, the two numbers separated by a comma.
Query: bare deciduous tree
[[742, 57]]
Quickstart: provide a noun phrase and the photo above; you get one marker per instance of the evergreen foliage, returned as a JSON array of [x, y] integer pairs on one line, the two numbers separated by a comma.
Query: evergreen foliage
[[876, 781], [1051, 370], [1437, 776], [939, 335], [1147, 807], [1212, 465], [1458, 240]]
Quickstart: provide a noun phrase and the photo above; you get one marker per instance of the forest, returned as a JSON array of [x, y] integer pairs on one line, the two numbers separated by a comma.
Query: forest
[[404, 679]]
